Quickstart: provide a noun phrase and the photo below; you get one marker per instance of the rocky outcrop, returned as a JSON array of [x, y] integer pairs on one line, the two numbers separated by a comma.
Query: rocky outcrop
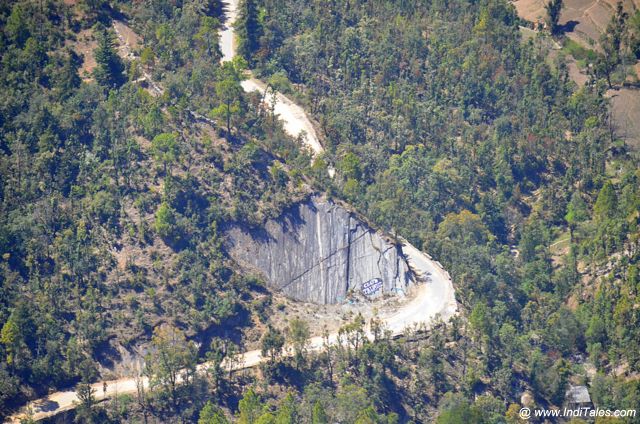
[[320, 252]]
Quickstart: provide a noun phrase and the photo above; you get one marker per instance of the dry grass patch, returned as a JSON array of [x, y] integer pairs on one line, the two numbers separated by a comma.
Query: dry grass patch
[[625, 110], [84, 45]]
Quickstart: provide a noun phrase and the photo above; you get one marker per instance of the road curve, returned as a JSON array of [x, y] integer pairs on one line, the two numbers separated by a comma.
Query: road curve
[[432, 296], [294, 118]]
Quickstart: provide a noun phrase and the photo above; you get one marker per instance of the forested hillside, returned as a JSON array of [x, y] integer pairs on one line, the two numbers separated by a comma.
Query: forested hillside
[[111, 197], [444, 127]]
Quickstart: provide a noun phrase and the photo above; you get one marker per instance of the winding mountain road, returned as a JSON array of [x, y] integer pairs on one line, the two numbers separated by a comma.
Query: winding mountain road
[[293, 117], [432, 296], [431, 299]]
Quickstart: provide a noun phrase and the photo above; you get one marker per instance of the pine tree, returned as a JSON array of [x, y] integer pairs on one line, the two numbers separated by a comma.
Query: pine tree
[[211, 414], [248, 29], [554, 7], [85, 413], [319, 414], [109, 67], [228, 91], [272, 343], [250, 408], [165, 149], [606, 203], [611, 42]]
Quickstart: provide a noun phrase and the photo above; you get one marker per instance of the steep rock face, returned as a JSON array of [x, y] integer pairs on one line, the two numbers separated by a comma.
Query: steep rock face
[[319, 252]]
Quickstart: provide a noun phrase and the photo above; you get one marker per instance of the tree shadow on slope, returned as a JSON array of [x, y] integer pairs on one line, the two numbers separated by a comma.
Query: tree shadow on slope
[[228, 329]]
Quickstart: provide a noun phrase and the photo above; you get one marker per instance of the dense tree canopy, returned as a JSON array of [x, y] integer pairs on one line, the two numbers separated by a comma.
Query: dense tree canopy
[[117, 179]]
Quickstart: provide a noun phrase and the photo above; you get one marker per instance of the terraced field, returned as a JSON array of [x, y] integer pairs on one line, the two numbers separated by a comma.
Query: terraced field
[[584, 20]]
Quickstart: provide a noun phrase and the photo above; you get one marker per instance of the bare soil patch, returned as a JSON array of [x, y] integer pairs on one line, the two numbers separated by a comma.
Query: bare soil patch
[[530, 10], [625, 109], [129, 41], [575, 73], [84, 45], [584, 20]]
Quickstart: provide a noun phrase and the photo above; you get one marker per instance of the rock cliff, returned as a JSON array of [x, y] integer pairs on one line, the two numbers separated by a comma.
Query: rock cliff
[[320, 252]]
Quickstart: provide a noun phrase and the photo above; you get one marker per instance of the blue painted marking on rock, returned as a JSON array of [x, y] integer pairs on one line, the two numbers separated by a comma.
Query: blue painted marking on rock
[[370, 287]]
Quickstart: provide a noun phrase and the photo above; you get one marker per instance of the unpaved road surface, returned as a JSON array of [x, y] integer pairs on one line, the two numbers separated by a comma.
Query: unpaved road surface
[[431, 297], [227, 35], [293, 117]]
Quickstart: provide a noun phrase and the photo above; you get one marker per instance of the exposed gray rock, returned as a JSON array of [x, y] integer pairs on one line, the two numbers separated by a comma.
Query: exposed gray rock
[[320, 252]]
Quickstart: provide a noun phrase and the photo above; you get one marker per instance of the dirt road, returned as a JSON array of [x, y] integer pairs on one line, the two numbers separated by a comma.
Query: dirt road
[[227, 35], [294, 118], [432, 296]]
